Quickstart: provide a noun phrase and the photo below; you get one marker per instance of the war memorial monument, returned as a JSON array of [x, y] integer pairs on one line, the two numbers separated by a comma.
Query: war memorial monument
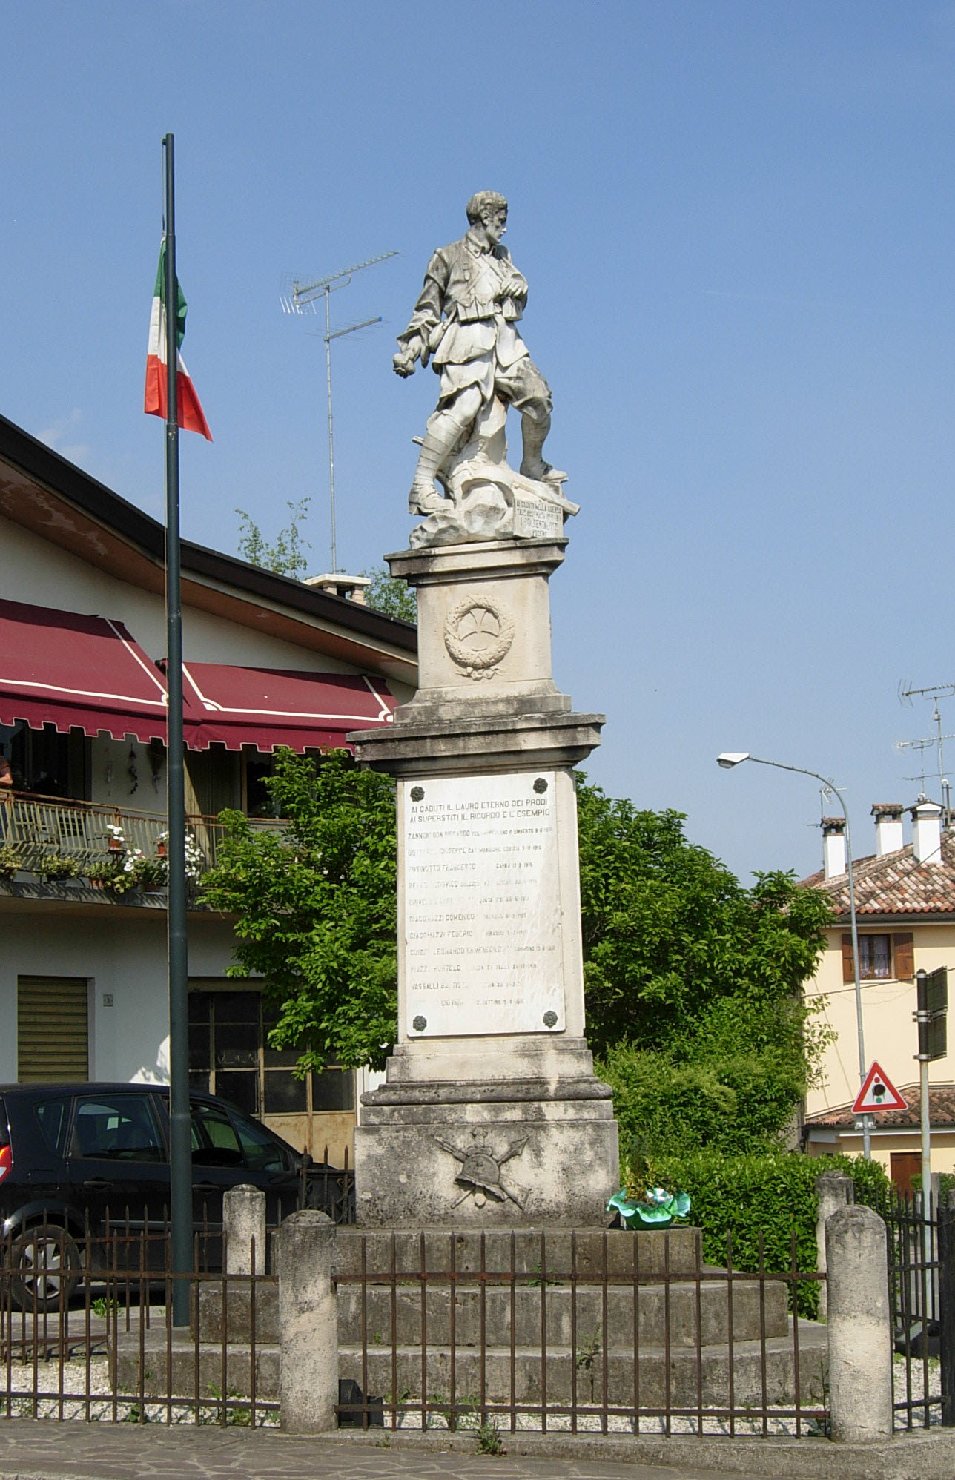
[[491, 1114]]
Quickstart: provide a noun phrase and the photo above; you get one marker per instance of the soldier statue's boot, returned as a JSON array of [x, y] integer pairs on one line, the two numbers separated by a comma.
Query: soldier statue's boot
[[441, 435], [534, 431]]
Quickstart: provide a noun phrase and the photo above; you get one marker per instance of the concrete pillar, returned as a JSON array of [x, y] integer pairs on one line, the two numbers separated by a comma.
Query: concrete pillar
[[834, 1190], [243, 1219], [308, 1322], [860, 1326]]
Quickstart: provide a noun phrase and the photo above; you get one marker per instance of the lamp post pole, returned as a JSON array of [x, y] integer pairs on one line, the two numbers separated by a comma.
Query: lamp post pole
[[733, 758]]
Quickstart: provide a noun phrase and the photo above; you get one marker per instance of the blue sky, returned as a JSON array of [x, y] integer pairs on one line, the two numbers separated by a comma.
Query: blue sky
[[736, 217]]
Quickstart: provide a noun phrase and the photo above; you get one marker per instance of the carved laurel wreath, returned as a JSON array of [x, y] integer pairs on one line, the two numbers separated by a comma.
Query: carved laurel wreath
[[477, 635]]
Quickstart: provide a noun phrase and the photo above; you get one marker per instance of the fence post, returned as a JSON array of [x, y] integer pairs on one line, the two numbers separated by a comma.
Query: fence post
[[860, 1326], [308, 1322], [243, 1219], [834, 1190]]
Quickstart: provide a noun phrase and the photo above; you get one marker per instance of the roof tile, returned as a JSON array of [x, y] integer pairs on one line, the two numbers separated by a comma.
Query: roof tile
[[941, 1099], [895, 884]]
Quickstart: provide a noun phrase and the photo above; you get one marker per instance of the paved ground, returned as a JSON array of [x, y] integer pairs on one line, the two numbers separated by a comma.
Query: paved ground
[[76, 1451], [51, 1450]]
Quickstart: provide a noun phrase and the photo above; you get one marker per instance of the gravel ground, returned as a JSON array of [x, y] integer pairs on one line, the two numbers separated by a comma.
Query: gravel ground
[[49, 1379]]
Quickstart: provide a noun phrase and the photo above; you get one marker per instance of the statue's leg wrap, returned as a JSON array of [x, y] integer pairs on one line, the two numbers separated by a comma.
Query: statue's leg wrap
[[529, 393], [534, 431], [442, 434]]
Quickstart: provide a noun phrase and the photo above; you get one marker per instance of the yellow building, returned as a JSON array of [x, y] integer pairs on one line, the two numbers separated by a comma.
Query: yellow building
[[905, 911]]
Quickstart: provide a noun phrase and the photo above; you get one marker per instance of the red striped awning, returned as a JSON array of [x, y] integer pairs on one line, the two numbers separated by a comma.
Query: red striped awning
[[267, 707], [65, 669]]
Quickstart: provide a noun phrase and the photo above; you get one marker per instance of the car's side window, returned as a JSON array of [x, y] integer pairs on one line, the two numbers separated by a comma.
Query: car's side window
[[214, 1141], [118, 1127], [260, 1152], [54, 1117]]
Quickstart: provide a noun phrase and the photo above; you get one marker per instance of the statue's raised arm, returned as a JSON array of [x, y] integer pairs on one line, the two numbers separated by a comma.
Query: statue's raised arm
[[465, 324]]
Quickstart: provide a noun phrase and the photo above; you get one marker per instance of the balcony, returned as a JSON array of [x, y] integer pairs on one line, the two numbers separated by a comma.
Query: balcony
[[114, 849]]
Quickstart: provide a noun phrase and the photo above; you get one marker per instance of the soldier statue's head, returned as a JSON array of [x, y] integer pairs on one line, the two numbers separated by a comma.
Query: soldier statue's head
[[483, 204]]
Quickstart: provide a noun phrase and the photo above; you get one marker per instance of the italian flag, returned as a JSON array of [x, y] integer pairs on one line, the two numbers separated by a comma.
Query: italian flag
[[189, 414]]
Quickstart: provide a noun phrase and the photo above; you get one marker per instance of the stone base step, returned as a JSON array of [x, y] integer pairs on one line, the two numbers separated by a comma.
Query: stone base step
[[228, 1311], [750, 1374], [755, 1375], [548, 1253], [696, 1314], [154, 1369]]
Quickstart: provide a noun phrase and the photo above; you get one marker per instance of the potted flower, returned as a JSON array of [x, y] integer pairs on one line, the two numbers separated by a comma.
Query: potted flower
[[102, 872], [54, 866], [150, 873], [115, 838], [128, 877], [194, 858], [161, 844], [10, 861]]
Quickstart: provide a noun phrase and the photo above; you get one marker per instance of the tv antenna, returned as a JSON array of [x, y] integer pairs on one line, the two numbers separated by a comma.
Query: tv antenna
[[933, 692], [303, 299]]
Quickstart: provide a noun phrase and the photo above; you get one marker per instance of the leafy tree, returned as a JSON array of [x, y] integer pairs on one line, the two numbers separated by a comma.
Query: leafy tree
[[692, 980], [389, 595], [285, 556], [315, 907], [693, 983]]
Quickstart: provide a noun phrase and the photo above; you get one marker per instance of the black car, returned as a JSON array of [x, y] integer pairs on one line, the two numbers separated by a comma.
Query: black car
[[80, 1161]]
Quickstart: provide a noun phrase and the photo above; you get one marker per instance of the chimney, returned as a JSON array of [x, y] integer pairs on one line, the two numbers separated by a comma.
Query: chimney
[[833, 846], [888, 827], [337, 583], [927, 831]]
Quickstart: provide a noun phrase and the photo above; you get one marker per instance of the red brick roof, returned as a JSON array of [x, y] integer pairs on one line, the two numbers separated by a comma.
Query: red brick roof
[[941, 1099], [895, 884]]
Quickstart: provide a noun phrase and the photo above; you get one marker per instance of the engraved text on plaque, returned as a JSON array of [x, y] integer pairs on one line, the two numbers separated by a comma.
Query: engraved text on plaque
[[482, 913]]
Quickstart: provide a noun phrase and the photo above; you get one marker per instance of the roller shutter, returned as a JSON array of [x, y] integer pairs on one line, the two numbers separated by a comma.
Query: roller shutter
[[52, 1029]]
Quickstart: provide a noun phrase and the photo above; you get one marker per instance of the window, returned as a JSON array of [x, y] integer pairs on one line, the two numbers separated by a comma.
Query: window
[[48, 763], [54, 1117], [118, 1127], [875, 956], [882, 956], [229, 1056], [214, 1141], [232, 1141]]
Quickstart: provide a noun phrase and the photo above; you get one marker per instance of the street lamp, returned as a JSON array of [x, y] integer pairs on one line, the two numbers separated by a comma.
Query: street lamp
[[731, 758]]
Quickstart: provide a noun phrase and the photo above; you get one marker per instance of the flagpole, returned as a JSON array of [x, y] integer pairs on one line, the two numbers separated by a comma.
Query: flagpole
[[178, 948]]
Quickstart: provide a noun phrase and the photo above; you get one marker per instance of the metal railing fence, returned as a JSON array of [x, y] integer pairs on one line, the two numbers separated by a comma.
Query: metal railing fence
[[86, 1333], [43, 832], [578, 1332], [586, 1332], [921, 1257]]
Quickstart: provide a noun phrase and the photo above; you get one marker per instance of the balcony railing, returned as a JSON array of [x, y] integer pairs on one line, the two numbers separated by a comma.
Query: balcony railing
[[39, 832]]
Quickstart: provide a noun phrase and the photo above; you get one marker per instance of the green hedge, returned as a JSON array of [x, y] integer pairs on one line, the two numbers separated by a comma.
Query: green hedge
[[751, 1207]]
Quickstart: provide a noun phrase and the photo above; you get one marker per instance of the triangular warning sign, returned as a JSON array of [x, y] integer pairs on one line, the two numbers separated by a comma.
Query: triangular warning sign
[[877, 1093]]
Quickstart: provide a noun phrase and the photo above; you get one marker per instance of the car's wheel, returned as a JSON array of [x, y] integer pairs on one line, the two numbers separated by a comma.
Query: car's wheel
[[45, 1267]]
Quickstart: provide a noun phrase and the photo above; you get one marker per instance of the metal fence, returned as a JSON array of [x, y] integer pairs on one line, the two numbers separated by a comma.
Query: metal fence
[[46, 836], [922, 1297], [606, 1332], [88, 1334]]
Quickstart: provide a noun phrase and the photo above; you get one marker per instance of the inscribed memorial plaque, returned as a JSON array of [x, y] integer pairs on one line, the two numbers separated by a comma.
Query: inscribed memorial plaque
[[482, 913]]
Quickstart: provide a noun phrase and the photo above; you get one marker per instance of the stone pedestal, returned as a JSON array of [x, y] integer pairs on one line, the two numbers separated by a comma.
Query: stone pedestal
[[491, 1113]]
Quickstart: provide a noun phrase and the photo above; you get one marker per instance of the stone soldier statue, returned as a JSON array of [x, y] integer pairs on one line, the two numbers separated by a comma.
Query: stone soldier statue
[[465, 323]]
